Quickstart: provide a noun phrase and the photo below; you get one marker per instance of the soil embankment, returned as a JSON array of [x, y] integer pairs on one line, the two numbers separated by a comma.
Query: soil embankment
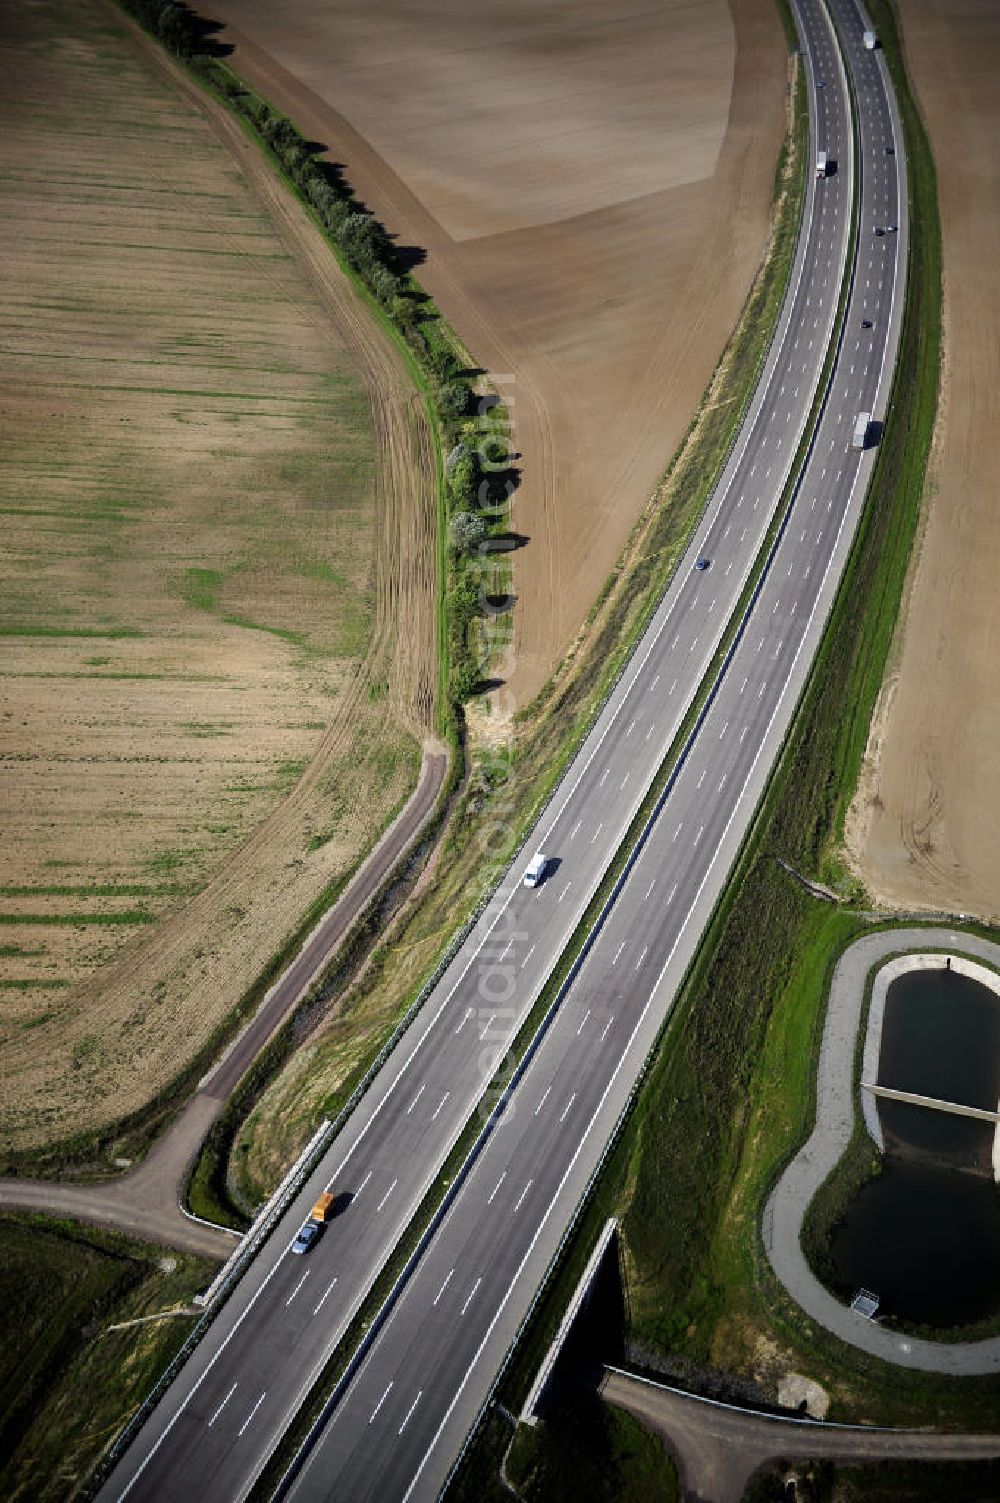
[[924, 830], [592, 192]]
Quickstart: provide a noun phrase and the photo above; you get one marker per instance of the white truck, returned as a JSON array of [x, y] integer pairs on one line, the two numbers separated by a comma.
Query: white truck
[[822, 162], [861, 425], [870, 40]]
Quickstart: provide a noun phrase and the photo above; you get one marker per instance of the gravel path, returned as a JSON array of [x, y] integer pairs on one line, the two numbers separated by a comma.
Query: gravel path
[[718, 1448], [836, 1102]]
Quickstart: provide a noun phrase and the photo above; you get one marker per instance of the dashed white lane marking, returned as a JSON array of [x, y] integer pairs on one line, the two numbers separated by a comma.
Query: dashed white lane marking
[[641, 957], [362, 1184], [673, 893], [569, 884], [604, 775], [437, 1109], [520, 1199], [606, 1027], [489, 1025], [465, 1018], [724, 730], [649, 889], [409, 1411], [381, 1401], [572, 833], [388, 1192], [597, 832], [444, 1286], [582, 1021], [631, 728], [325, 1295], [743, 733], [565, 1111], [677, 831], [701, 831], [471, 1295], [416, 1098], [528, 956], [624, 781], [490, 1196], [704, 775], [618, 952], [222, 1406], [543, 1100], [246, 1423], [295, 1291], [655, 682]]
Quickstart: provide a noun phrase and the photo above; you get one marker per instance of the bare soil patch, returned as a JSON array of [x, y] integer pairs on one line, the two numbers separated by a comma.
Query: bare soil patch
[[592, 194], [924, 830], [217, 566]]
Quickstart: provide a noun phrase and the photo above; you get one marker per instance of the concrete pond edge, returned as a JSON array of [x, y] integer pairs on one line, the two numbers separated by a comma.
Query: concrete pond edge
[[837, 1107]]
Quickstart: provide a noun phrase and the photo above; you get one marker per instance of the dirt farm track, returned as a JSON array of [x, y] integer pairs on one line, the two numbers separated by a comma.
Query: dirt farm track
[[591, 228]]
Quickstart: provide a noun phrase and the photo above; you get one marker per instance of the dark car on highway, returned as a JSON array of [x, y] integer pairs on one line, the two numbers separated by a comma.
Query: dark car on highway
[[308, 1236]]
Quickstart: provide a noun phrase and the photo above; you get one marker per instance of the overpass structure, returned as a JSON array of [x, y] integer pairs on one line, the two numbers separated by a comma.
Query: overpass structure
[[429, 1362]]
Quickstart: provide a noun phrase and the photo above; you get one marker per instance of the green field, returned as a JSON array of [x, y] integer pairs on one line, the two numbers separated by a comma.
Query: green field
[[66, 1383]]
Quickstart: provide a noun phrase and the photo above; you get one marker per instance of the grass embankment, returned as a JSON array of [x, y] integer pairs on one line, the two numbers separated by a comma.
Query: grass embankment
[[879, 1482], [67, 1384], [730, 1093], [509, 783]]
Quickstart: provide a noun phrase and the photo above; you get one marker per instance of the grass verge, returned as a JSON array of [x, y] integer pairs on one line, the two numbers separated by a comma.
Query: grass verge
[[67, 1383]]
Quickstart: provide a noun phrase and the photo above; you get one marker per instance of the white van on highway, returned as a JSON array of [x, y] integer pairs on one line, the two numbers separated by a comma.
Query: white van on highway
[[536, 870]]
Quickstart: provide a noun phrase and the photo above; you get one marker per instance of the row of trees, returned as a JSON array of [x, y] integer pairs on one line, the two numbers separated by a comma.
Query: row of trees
[[370, 252]]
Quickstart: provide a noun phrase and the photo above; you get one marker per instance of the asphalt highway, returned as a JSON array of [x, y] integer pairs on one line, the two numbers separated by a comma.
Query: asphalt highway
[[403, 1419], [433, 1361]]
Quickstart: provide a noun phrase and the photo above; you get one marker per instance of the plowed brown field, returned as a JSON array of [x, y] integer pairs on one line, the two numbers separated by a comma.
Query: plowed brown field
[[217, 569], [924, 830], [591, 186]]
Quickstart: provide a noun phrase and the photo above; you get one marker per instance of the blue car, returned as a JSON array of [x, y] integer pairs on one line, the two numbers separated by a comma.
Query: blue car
[[702, 564], [307, 1237]]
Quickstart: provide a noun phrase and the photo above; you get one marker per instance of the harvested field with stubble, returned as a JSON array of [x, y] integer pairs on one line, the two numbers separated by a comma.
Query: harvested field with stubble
[[219, 502], [591, 187], [924, 829]]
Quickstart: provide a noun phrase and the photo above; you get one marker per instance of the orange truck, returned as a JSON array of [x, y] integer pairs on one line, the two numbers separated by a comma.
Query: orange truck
[[323, 1209]]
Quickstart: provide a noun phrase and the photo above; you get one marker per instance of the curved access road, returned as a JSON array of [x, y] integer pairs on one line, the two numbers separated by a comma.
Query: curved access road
[[220, 1419], [719, 1447], [837, 1093]]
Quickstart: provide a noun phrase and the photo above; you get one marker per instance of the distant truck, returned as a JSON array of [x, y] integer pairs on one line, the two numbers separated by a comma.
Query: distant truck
[[870, 40], [861, 425], [822, 163]]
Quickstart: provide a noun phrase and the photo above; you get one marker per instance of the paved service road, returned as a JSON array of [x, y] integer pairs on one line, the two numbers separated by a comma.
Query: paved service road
[[220, 1419], [719, 1447]]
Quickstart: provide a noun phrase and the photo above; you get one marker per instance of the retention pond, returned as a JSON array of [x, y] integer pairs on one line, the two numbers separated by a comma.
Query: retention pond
[[925, 1235]]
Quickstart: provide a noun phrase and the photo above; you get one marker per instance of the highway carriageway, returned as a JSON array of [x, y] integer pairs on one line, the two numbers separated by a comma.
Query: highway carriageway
[[423, 1379], [220, 1419]]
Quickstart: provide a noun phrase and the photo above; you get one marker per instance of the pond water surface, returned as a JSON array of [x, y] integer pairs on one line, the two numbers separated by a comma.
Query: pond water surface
[[925, 1236]]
